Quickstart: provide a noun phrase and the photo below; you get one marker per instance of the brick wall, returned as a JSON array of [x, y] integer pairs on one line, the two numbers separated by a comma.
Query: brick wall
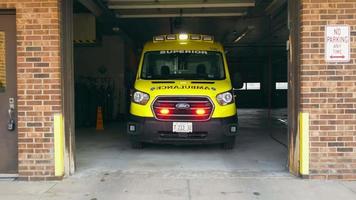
[[328, 91], [39, 83]]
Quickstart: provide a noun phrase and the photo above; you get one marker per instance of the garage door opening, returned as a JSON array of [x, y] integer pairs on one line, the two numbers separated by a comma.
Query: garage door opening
[[108, 39]]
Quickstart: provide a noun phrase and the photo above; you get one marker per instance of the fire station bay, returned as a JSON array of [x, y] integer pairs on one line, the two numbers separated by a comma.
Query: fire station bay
[[263, 87]]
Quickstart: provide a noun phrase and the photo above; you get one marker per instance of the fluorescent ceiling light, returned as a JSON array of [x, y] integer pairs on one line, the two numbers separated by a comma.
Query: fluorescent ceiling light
[[180, 5], [244, 33]]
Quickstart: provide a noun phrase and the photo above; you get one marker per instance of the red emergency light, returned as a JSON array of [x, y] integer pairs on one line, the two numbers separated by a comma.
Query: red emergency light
[[164, 111], [200, 111]]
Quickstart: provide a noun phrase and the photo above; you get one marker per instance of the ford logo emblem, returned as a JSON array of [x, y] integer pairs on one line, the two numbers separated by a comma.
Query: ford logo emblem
[[182, 106]]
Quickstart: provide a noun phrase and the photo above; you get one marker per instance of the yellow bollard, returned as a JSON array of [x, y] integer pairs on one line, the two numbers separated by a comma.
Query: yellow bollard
[[304, 144], [58, 145]]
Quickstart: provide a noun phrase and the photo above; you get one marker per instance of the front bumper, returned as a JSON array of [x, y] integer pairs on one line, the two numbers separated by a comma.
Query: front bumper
[[151, 130]]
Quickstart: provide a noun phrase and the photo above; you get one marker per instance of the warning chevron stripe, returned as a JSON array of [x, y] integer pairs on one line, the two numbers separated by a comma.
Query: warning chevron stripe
[[84, 41]]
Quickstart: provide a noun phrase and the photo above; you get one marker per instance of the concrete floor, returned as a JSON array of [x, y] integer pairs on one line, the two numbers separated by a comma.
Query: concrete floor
[[108, 169], [255, 154]]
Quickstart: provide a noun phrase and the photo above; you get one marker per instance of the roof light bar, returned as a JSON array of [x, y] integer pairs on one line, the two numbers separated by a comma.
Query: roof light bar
[[195, 37], [158, 38], [208, 38], [171, 37], [183, 36]]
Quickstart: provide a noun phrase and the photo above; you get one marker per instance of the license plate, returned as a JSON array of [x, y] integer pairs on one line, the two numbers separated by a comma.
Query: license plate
[[182, 127]]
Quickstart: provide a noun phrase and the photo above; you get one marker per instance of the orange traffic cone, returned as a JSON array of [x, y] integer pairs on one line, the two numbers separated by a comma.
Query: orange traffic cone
[[99, 119]]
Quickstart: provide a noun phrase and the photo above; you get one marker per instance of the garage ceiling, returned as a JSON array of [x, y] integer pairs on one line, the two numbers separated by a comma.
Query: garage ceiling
[[171, 8], [155, 17], [223, 19], [226, 20]]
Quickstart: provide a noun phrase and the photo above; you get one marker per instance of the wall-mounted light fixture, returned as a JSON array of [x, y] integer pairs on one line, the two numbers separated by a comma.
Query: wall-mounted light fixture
[[243, 34]]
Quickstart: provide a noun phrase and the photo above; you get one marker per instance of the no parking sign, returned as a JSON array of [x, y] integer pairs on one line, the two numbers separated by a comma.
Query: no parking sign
[[337, 43]]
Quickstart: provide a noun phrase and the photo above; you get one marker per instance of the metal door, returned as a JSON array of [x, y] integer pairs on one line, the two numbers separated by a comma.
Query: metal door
[[8, 139]]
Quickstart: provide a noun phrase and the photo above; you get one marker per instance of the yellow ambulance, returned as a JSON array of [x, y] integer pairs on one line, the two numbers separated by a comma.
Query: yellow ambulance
[[183, 93]]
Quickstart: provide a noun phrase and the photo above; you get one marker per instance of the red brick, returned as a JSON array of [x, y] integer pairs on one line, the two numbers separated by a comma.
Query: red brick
[[37, 20], [335, 82]]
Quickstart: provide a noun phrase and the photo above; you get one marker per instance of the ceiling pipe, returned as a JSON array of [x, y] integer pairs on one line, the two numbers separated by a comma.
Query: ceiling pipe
[[181, 15], [275, 6], [92, 7], [177, 5], [253, 45]]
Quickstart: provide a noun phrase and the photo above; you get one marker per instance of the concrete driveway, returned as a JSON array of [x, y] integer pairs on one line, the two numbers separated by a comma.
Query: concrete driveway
[[171, 186], [256, 169]]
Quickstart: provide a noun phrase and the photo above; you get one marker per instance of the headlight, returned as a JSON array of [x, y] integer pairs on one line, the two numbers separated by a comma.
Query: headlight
[[224, 98], [140, 97]]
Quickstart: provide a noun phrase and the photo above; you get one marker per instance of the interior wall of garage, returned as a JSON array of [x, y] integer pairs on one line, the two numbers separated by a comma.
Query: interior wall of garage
[[110, 55], [257, 71], [38, 84], [328, 91], [269, 63]]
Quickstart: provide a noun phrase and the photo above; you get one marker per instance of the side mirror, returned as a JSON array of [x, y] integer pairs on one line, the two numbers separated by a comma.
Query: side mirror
[[237, 82]]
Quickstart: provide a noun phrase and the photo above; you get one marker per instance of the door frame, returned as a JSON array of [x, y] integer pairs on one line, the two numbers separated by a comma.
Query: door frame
[[15, 173], [294, 7], [68, 86]]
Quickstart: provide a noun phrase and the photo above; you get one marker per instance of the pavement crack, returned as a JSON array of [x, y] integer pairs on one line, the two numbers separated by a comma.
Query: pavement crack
[[189, 190], [47, 191], [349, 188]]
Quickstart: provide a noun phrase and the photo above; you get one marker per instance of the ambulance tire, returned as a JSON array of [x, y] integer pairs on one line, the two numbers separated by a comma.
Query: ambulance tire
[[229, 145]]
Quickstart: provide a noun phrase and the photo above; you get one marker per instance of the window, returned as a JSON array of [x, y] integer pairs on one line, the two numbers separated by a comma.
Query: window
[[2, 62], [282, 86], [188, 64], [251, 86]]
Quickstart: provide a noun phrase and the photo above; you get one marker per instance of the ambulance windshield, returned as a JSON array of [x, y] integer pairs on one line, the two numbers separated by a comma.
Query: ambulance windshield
[[183, 64]]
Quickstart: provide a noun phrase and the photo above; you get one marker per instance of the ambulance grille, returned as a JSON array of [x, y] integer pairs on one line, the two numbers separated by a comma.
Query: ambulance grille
[[183, 108]]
